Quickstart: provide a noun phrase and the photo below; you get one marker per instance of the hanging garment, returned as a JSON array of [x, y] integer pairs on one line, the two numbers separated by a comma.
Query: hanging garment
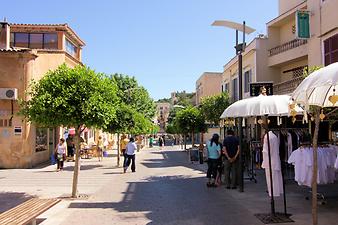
[[275, 164], [289, 145], [301, 159]]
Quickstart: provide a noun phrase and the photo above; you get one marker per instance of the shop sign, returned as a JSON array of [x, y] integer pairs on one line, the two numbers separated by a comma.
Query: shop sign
[[257, 88]]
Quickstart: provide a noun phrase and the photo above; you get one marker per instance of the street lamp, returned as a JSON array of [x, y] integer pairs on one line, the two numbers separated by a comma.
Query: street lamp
[[240, 48]]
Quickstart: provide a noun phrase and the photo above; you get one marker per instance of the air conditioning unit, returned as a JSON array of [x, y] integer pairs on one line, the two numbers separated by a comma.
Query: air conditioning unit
[[9, 93]]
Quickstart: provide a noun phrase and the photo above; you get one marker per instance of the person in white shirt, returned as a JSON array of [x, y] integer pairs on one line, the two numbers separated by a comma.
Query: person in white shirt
[[130, 155], [60, 152]]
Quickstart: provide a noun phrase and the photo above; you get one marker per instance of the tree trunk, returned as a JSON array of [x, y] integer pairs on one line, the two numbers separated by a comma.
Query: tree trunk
[[192, 139], [315, 167], [118, 150], [77, 162], [185, 141]]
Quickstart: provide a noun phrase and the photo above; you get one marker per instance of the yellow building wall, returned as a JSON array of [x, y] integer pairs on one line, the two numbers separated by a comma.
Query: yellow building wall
[[286, 5], [286, 34], [15, 150], [16, 71]]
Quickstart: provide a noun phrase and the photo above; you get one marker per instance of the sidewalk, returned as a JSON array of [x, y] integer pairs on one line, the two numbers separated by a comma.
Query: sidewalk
[[166, 189]]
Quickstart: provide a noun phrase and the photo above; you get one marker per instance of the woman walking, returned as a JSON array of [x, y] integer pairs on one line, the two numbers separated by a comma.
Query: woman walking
[[214, 152], [60, 152]]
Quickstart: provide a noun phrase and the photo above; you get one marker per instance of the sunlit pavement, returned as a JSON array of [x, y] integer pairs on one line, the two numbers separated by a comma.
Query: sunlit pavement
[[166, 189]]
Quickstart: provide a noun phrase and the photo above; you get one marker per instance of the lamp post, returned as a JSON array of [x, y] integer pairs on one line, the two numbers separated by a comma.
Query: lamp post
[[240, 48]]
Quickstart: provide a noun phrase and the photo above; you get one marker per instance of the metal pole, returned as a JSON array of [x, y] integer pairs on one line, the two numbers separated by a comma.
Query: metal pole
[[240, 96]]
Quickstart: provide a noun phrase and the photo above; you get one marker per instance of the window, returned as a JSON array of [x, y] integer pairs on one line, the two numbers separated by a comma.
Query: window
[[331, 50], [235, 89], [247, 81], [226, 87], [5, 122], [34, 40], [41, 139], [21, 40], [71, 48], [50, 41]]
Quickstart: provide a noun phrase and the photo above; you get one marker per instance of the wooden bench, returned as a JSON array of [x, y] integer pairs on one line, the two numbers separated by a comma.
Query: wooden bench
[[27, 212]]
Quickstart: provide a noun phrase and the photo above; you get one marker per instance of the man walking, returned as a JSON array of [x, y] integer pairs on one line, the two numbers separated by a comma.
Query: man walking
[[231, 152], [130, 155]]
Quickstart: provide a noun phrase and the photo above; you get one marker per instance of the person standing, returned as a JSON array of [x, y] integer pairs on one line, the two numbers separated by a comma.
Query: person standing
[[130, 155], [151, 141], [60, 152], [123, 145], [70, 147], [160, 142], [100, 148], [214, 152], [231, 151]]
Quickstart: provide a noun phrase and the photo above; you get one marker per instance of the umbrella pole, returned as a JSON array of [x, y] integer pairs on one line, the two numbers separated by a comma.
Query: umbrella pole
[[284, 194], [315, 168], [270, 170]]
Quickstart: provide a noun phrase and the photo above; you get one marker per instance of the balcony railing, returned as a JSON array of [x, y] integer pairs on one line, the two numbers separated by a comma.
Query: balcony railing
[[287, 46], [287, 87]]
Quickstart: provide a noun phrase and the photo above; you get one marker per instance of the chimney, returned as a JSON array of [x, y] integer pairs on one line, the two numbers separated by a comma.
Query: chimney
[[4, 35]]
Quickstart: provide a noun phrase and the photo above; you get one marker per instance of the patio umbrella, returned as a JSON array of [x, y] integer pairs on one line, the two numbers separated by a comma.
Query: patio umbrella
[[271, 105], [318, 89]]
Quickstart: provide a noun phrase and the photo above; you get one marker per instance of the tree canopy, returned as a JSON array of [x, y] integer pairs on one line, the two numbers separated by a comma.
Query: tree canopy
[[212, 107], [71, 97], [136, 108]]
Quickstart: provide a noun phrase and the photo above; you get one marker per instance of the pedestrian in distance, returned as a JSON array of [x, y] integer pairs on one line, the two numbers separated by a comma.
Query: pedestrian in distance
[[231, 163], [151, 141], [160, 142], [123, 145], [60, 152], [214, 152], [100, 147], [70, 147], [130, 155]]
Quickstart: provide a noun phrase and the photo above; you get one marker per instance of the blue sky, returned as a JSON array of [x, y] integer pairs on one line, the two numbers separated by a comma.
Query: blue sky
[[165, 44]]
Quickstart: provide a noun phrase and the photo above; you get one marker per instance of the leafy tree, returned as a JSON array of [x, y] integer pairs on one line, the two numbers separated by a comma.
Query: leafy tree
[[72, 97], [134, 95], [190, 120], [212, 107], [135, 111]]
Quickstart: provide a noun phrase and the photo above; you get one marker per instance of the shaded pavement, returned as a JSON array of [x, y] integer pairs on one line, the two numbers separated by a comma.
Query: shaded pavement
[[166, 189]]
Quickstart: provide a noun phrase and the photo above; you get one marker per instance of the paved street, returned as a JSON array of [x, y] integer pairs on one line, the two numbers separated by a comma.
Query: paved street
[[166, 189]]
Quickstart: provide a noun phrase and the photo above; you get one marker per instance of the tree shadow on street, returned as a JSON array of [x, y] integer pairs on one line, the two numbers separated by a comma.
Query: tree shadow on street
[[176, 200], [174, 158], [9, 200], [83, 167]]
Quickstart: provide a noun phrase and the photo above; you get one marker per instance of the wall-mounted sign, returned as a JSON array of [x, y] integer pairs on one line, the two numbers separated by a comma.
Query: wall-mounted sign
[[257, 88], [17, 130], [302, 24]]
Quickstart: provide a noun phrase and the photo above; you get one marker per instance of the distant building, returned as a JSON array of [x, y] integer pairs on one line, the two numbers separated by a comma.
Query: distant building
[[28, 51], [162, 110], [208, 84]]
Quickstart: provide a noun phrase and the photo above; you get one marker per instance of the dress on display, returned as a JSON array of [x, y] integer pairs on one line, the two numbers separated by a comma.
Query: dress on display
[[275, 164]]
